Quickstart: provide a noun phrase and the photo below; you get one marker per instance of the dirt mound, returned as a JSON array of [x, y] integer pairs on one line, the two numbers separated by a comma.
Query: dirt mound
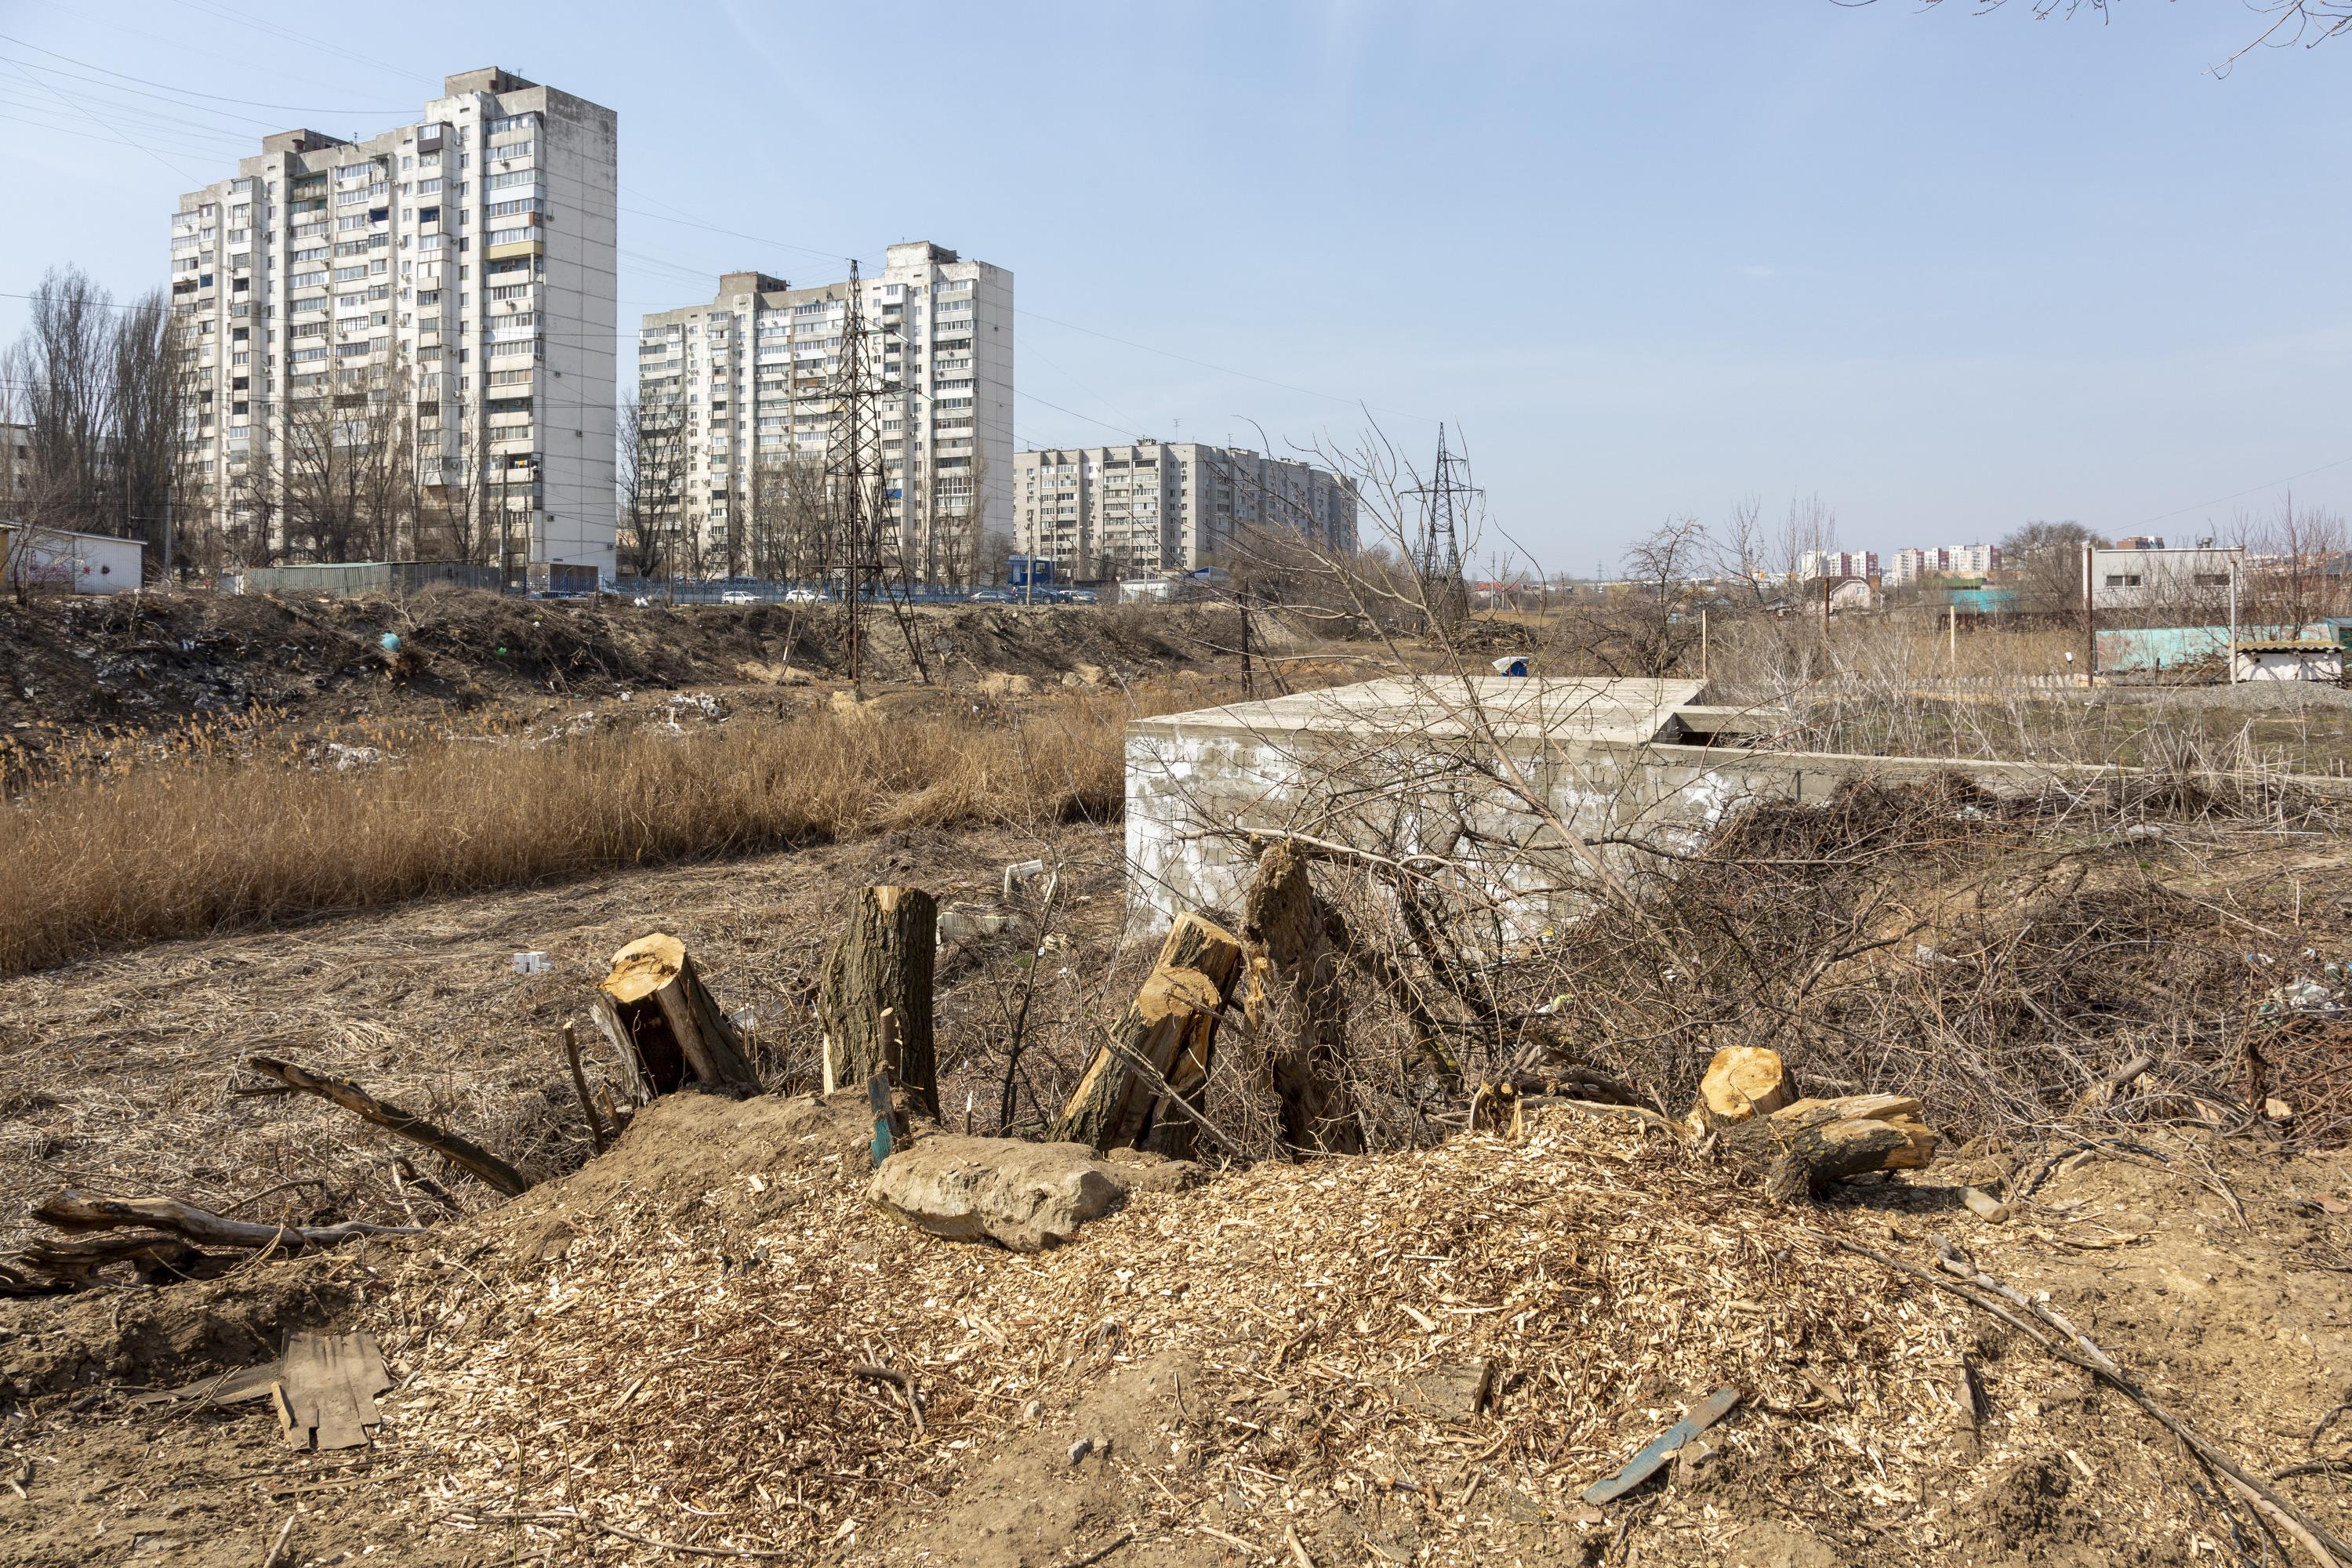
[[1282, 1348], [160, 658]]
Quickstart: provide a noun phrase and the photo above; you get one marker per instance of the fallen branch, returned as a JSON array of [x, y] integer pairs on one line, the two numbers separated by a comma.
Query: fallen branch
[[480, 1161], [579, 1087], [70, 1211], [2046, 1328]]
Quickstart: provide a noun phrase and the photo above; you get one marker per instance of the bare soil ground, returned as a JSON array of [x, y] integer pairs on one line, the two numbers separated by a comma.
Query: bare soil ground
[[654, 1346]]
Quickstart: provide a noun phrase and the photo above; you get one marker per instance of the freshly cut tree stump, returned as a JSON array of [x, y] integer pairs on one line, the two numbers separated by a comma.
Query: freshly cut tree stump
[[663, 1023], [1805, 1148], [1742, 1083], [883, 964], [1158, 1049], [1296, 1005]]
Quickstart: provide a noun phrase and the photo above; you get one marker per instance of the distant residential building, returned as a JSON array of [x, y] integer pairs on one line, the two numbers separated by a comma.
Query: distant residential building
[[15, 467], [2149, 577], [452, 280], [1156, 506], [755, 374], [2140, 541], [1818, 564], [1945, 561]]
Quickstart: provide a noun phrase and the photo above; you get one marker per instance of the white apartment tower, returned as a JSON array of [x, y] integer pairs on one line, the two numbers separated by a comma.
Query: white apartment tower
[[1156, 507], [751, 387], [450, 281], [1950, 561]]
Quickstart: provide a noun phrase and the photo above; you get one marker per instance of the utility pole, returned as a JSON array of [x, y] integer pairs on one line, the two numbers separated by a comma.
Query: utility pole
[[2091, 621]]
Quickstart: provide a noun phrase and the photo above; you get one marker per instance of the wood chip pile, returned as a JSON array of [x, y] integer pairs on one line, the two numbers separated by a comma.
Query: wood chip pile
[[710, 1369]]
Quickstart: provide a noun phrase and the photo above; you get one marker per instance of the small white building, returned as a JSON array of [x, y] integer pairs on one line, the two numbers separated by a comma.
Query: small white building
[[54, 561], [2279, 660]]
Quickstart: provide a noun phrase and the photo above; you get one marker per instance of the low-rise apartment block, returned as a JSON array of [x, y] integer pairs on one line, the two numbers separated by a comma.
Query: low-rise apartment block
[[753, 385], [405, 346], [1948, 560], [1156, 507]]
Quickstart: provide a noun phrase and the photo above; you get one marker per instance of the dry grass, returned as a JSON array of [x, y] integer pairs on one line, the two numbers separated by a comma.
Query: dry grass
[[229, 831]]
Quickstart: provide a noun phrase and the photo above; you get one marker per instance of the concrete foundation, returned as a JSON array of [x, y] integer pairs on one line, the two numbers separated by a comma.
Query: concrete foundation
[[1524, 789]]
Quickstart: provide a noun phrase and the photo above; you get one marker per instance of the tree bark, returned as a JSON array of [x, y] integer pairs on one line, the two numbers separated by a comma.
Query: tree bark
[[1168, 1029], [882, 963], [476, 1159], [666, 1024], [70, 1211], [1296, 1005]]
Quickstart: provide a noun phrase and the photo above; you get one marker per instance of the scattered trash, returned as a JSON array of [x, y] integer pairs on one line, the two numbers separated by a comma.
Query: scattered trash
[[1021, 873], [1663, 1447], [348, 757], [1984, 1205], [2142, 831], [533, 962], [389, 642]]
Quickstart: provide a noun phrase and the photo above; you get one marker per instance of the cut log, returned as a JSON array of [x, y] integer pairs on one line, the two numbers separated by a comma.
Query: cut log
[[1805, 1148], [1158, 1060], [461, 1151], [882, 963], [72, 1211], [154, 1260], [666, 1026], [1296, 1005], [1741, 1083]]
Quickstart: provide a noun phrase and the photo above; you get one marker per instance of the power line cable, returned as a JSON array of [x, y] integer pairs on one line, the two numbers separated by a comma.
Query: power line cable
[[184, 92]]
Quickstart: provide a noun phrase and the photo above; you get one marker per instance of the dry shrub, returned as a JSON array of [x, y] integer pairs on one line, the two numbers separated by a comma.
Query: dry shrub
[[214, 836]]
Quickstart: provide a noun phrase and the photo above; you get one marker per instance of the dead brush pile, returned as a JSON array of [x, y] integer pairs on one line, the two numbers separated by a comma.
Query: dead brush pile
[[685, 1366], [1997, 958]]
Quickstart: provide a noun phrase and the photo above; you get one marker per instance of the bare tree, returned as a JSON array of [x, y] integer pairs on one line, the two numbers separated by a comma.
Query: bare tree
[[2291, 23], [347, 465], [652, 479]]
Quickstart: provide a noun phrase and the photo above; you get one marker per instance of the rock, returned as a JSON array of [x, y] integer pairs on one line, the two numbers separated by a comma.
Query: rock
[[997, 683], [1090, 674], [1025, 1196]]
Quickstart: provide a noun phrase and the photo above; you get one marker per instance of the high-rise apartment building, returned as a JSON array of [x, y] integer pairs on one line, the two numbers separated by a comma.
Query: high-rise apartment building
[[1949, 561], [749, 391], [1818, 564], [443, 295], [1167, 506]]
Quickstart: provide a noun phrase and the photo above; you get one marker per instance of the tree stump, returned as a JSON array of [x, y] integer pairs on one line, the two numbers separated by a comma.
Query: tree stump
[[1158, 1049], [882, 963], [1296, 1005], [1741, 1083], [664, 1025], [1806, 1147]]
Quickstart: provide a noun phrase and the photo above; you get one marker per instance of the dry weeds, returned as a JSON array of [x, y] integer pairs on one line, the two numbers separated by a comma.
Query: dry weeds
[[228, 828]]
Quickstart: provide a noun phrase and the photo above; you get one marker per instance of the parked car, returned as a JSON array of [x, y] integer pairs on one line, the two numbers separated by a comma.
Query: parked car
[[996, 597], [805, 596], [738, 596], [1081, 597]]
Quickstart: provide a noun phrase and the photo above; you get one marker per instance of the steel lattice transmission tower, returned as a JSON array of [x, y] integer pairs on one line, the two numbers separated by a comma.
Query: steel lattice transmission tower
[[852, 468], [1445, 502]]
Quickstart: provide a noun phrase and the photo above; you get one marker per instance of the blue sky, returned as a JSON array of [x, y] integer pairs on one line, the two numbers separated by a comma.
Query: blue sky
[[1948, 272]]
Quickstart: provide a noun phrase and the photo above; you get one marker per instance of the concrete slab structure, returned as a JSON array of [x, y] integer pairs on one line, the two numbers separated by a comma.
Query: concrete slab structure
[[1484, 781]]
